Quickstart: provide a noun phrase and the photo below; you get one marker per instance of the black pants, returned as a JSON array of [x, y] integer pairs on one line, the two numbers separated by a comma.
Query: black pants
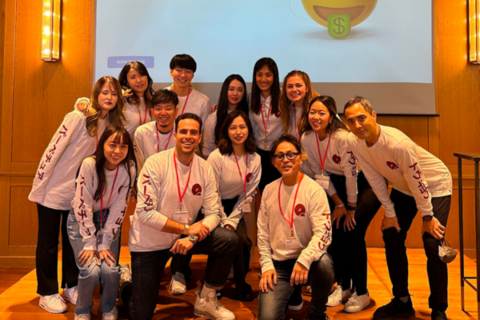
[[348, 248], [49, 223], [269, 172], [147, 269], [396, 253]]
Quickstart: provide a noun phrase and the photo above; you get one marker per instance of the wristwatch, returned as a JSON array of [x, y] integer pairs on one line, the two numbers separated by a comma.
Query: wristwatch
[[186, 228], [427, 218], [193, 238], [350, 208]]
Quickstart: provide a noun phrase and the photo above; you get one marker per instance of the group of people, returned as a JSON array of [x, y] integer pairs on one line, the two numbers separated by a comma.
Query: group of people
[[195, 171]]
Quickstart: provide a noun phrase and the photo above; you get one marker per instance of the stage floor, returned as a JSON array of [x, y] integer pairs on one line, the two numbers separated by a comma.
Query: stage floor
[[21, 302]]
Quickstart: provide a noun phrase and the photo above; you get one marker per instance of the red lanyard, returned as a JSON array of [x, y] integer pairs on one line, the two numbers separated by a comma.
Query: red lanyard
[[158, 139], [246, 170], [102, 214], [326, 151], [290, 223], [180, 194], [265, 124], [186, 100], [140, 116]]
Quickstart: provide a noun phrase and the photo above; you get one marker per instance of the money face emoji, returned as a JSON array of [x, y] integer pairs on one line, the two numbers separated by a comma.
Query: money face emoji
[[339, 16]]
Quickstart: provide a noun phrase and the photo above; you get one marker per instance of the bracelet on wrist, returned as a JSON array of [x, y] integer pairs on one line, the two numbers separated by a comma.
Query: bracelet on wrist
[[340, 206]]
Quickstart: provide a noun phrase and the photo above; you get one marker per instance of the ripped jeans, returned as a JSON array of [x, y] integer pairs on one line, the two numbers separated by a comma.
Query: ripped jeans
[[96, 273]]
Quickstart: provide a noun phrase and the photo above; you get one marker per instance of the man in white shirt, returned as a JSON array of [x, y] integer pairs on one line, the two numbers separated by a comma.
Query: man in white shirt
[[157, 135], [420, 182], [172, 187]]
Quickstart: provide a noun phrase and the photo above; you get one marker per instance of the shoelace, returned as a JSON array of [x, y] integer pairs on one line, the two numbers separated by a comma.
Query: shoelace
[[353, 298], [56, 297]]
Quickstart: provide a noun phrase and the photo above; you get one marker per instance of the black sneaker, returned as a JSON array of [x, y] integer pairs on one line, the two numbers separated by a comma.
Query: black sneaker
[[438, 315], [394, 310], [295, 303]]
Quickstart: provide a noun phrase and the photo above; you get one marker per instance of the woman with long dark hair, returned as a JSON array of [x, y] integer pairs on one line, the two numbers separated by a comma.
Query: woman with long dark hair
[[54, 188], [233, 96], [102, 187], [237, 169], [138, 92], [352, 201], [265, 114]]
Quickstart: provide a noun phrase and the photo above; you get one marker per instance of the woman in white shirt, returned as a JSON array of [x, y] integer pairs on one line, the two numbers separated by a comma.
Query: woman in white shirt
[[237, 169], [102, 187], [233, 96], [138, 93], [265, 114], [352, 201], [54, 188], [297, 92]]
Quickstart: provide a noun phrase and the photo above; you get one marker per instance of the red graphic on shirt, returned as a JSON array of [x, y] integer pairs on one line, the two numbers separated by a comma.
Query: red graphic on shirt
[[278, 113], [300, 210], [336, 158], [392, 165], [249, 176], [197, 190], [352, 159]]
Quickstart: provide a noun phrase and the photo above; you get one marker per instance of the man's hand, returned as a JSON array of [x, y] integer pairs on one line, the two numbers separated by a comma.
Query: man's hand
[[86, 256], [200, 230], [434, 227], [350, 222], [106, 255], [182, 246], [337, 215], [390, 223], [266, 280], [299, 274]]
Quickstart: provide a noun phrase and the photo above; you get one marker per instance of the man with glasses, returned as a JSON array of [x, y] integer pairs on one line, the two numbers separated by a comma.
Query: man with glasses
[[294, 231]]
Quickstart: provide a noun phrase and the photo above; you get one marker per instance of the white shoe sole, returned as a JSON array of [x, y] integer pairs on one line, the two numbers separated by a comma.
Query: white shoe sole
[[46, 308], [205, 314], [334, 304], [295, 308], [68, 300]]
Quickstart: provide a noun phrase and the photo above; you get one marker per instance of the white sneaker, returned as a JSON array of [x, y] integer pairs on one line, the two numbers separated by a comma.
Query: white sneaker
[[53, 303], [335, 298], [112, 315], [346, 294], [357, 303], [178, 285], [82, 316], [210, 308], [71, 295]]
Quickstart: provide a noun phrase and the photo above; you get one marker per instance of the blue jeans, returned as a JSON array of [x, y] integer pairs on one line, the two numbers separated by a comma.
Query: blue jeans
[[273, 304], [96, 273]]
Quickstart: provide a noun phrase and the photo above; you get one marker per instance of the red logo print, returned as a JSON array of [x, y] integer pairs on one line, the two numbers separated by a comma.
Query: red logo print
[[278, 113], [392, 165], [197, 190], [249, 176], [300, 210], [336, 158]]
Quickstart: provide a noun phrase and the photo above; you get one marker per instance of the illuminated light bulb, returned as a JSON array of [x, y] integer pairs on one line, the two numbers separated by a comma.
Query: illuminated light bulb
[[47, 32], [48, 13], [46, 51]]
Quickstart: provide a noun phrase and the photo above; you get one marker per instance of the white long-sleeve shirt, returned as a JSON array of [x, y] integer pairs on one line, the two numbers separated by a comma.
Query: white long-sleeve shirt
[[311, 223], [340, 160], [158, 199], [54, 183], [411, 169], [209, 134], [84, 205], [149, 140], [135, 116], [197, 103], [295, 116], [274, 125], [230, 184]]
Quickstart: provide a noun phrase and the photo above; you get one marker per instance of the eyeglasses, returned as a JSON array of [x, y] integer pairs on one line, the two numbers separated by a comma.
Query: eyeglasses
[[290, 156]]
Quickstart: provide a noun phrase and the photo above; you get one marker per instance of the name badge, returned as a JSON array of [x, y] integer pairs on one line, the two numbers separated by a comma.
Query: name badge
[[323, 181], [293, 244], [247, 206], [180, 216]]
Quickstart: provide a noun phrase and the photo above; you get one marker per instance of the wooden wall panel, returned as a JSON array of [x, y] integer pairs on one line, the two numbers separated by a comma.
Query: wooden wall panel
[[23, 218]]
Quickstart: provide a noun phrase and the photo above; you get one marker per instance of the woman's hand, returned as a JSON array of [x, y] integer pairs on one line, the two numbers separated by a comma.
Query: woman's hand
[[337, 215], [86, 256], [106, 255], [350, 222]]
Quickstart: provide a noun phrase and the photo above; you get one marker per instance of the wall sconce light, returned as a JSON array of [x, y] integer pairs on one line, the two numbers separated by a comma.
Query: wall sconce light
[[474, 31], [51, 19]]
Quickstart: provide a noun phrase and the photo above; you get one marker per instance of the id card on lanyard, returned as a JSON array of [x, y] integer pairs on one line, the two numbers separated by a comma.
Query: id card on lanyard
[[291, 241], [181, 214], [323, 180], [246, 207]]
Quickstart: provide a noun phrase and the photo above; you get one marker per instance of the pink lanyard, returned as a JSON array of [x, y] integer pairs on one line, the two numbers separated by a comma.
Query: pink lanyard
[[290, 223], [158, 139], [140, 116], [180, 194], [246, 170], [102, 214], [186, 100], [265, 125], [326, 151]]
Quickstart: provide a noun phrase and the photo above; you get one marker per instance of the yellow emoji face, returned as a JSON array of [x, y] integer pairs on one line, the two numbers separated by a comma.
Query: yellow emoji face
[[358, 10]]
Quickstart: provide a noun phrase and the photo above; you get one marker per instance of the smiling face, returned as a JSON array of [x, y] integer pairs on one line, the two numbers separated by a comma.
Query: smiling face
[[288, 168], [108, 97], [361, 123], [264, 79], [164, 114], [187, 136], [235, 93], [359, 10], [137, 82], [181, 77], [238, 131], [115, 150], [319, 117], [296, 89]]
